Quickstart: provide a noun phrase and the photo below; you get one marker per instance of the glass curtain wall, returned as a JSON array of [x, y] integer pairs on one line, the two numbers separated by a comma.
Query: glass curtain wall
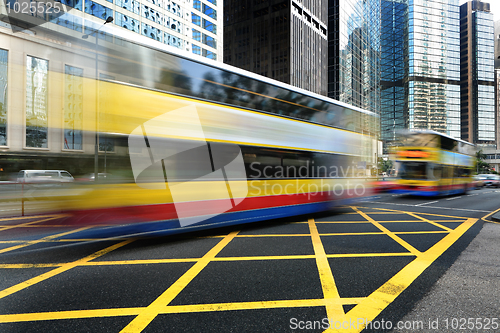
[[434, 66], [484, 75], [3, 96], [394, 114], [354, 52]]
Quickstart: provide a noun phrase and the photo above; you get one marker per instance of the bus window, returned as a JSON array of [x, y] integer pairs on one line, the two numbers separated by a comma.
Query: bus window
[[414, 170], [435, 171]]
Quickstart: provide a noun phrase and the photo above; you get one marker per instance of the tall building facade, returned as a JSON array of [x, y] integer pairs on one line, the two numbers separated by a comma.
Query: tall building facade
[[354, 52], [283, 40], [477, 73], [497, 44], [193, 26], [497, 80], [420, 52], [394, 110]]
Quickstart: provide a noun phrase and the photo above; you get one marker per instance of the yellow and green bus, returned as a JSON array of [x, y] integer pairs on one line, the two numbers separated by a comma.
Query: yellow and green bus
[[433, 164]]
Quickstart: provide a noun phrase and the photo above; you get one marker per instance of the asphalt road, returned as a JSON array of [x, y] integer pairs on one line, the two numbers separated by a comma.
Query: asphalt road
[[391, 260]]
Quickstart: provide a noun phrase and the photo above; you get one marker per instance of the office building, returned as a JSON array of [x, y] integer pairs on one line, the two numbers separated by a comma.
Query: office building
[[420, 67], [394, 111], [354, 52], [283, 40], [477, 74]]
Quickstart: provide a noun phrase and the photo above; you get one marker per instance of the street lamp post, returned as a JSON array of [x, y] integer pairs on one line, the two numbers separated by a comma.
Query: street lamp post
[[96, 156]]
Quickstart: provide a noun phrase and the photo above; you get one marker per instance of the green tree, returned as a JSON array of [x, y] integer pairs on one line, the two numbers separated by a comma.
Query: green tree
[[385, 165], [481, 165]]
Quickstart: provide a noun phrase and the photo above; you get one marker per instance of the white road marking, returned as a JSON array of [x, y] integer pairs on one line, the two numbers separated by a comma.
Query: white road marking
[[426, 203], [469, 210], [454, 198]]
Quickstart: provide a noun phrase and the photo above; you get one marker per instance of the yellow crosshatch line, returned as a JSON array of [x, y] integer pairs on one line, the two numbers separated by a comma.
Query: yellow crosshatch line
[[31, 217], [365, 307], [429, 221], [389, 233], [391, 221], [59, 270], [27, 224], [45, 239]]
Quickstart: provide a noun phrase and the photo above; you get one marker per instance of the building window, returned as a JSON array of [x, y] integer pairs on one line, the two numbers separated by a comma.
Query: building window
[[127, 22], [36, 102], [210, 41], [130, 5], [158, 3], [151, 32], [174, 9], [98, 10], [67, 21], [196, 19], [173, 24], [209, 26], [197, 5], [73, 107], [174, 41], [77, 4], [210, 12], [4, 56], [152, 14], [196, 49], [209, 54], [196, 35]]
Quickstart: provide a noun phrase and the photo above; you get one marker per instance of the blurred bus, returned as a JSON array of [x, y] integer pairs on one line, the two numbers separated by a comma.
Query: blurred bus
[[184, 141], [431, 164]]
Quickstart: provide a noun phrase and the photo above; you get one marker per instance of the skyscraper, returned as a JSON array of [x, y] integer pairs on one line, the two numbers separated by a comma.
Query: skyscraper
[[354, 52], [420, 66], [283, 40], [477, 73], [394, 111]]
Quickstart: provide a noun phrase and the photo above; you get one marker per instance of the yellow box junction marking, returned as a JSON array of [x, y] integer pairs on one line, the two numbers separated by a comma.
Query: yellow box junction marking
[[42, 240], [333, 307], [367, 308], [59, 270], [149, 313], [388, 232]]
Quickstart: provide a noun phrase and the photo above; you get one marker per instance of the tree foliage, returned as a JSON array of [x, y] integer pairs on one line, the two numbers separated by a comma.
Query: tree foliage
[[481, 165]]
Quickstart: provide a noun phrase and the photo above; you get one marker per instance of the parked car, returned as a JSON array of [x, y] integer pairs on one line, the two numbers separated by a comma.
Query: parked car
[[491, 180], [44, 176]]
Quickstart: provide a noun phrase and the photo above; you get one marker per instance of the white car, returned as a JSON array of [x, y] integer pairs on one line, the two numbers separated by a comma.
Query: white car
[[44, 176]]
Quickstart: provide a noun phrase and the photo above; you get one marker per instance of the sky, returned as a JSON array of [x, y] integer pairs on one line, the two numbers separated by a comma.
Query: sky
[[494, 7]]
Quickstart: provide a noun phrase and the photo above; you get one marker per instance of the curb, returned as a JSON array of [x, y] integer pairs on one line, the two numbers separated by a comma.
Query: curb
[[495, 217]]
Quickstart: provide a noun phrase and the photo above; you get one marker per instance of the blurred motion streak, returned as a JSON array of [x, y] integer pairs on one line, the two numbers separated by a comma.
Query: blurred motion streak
[[183, 143]]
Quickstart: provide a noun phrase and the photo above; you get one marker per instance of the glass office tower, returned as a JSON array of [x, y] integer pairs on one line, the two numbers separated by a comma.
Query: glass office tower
[[354, 52], [477, 46], [420, 66], [394, 114]]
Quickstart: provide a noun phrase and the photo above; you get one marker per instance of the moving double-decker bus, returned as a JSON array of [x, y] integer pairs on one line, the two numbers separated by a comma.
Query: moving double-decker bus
[[177, 142], [431, 164]]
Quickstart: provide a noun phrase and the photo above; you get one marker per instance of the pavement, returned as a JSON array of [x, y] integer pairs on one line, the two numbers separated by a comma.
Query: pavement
[[467, 296]]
